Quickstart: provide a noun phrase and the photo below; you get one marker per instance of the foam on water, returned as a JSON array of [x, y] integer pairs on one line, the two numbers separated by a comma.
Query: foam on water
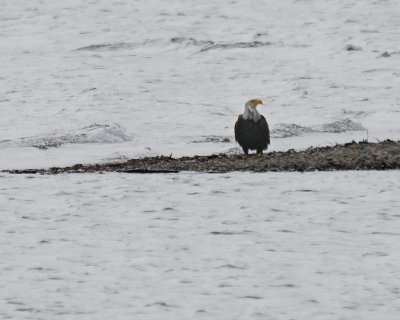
[[95, 133], [339, 126]]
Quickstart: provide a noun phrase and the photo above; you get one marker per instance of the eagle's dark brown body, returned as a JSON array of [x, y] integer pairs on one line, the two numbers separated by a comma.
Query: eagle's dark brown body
[[252, 135]]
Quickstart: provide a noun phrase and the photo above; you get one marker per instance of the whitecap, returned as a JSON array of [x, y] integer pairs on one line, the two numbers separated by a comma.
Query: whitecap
[[94, 133]]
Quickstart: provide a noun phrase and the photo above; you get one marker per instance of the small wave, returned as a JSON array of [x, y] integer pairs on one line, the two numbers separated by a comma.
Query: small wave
[[211, 45], [355, 113], [206, 139], [115, 46], [289, 130], [292, 130], [351, 47], [110, 46], [192, 42], [252, 44], [340, 126], [387, 54], [95, 133]]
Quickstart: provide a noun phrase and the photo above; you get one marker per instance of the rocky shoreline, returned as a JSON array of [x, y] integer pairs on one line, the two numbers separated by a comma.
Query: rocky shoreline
[[362, 155]]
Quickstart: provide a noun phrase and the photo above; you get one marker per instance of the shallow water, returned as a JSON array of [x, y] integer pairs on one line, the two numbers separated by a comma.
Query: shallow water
[[188, 245]]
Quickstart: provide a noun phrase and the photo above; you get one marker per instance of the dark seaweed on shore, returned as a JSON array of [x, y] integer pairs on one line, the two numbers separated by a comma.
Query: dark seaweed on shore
[[362, 155]]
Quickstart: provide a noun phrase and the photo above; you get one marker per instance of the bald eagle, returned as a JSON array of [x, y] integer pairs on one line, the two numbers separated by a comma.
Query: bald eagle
[[251, 129]]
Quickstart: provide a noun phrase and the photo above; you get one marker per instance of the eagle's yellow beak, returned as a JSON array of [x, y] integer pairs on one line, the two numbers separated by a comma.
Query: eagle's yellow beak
[[257, 102]]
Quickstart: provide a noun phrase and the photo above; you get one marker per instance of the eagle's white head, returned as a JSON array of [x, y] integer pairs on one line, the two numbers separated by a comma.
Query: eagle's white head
[[250, 110]]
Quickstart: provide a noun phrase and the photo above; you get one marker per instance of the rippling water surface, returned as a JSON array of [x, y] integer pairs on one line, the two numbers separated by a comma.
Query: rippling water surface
[[215, 246], [91, 81], [170, 74]]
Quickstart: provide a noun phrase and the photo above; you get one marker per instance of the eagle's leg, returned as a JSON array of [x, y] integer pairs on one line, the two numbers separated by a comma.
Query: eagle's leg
[[246, 153], [259, 153]]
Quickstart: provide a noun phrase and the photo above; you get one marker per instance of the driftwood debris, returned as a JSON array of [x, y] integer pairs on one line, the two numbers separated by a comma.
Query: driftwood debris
[[350, 156]]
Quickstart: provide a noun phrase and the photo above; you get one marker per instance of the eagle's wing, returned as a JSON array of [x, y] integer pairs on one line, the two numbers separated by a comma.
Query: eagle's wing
[[265, 129], [238, 128]]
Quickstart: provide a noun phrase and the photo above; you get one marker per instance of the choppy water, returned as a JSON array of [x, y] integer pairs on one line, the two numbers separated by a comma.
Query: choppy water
[[230, 246], [170, 74]]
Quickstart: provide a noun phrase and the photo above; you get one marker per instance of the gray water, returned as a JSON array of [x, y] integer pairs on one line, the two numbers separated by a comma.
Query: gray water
[[149, 78], [216, 246]]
